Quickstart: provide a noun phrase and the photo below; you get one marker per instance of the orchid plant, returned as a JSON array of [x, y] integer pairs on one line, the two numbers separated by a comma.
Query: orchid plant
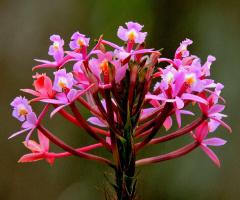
[[115, 87]]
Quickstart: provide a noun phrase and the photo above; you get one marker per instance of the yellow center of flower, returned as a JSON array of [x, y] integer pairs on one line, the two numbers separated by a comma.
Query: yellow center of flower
[[104, 65], [81, 42], [169, 77], [56, 45], [190, 79], [62, 82], [22, 109], [132, 35]]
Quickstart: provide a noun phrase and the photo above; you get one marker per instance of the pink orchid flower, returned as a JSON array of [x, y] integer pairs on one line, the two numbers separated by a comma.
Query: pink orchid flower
[[212, 111], [132, 33], [39, 150], [43, 87], [21, 108], [200, 135], [62, 80], [66, 99]]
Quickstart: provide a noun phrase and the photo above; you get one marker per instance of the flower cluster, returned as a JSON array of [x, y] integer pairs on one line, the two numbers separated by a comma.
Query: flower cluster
[[115, 87]]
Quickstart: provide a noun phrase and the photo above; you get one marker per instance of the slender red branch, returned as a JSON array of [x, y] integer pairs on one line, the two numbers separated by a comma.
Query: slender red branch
[[159, 122], [72, 119], [179, 132], [71, 150], [87, 128], [64, 154], [168, 156]]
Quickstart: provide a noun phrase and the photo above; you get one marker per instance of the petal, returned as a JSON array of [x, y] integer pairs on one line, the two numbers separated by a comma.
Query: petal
[[202, 131], [96, 121], [214, 142], [120, 74], [193, 98], [44, 141], [57, 109], [179, 102], [168, 123], [221, 122], [210, 153], [32, 145], [31, 157], [19, 132], [216, 109]]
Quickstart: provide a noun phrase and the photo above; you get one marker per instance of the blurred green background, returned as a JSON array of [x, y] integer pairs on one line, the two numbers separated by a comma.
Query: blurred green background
[[25, 28]]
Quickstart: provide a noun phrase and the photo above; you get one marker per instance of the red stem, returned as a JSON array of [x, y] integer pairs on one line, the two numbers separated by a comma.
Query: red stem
[[87, 128], [83, 149], [71, 150], [168, 156]]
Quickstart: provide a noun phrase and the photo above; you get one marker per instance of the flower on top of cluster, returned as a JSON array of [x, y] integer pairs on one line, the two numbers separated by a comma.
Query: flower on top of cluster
[[56, 49], [57, 44], [79, 41], [62, 80], [182, 49], [21, 108], [132, 33]]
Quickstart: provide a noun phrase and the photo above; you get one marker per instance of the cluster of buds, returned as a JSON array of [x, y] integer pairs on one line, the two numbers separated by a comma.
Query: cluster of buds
[[115, 87]]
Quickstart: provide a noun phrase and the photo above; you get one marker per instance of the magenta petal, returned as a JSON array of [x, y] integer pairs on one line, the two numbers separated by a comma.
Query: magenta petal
[[31, 157], [71, 94], [186, 112], [57, 109], [193, 98], [96, 121], [32, 145], [178, 115], [19, 132], [221, 122], [168, 123], [202, 131], [120, 74], [151, 96], [210, 153], [53, 101], [33, 92], [112, 45], [214, 142], [58, 56], [32, 118], [216, 109], [179, 102], [44, 141]]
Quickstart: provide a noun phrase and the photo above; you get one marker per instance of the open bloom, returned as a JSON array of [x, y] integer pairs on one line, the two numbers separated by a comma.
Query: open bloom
[[21, 108], [79, 41], [132, 33], [200, 135], [38, 150], [62, 80]]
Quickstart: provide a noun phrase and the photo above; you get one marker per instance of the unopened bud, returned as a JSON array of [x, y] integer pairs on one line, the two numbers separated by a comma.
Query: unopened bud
[[133, 72], [93, 80], [142, 74], [111, 71], [154, 58], [143, 61]]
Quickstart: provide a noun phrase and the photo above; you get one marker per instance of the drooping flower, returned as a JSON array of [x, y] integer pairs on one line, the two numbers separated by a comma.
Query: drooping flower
[[39, 150], [200, 135], [21, 108], [62, 80], [29, 125], [132, 33]]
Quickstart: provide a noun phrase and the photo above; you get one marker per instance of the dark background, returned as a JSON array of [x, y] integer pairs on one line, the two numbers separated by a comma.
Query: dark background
[[25, 28]]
